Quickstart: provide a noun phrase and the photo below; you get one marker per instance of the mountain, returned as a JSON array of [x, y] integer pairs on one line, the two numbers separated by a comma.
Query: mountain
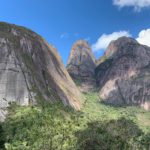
[[123, 74], [31, 71], [81, 65]]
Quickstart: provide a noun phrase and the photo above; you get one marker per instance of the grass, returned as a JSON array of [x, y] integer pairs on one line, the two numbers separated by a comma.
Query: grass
[[95, 109], [96, 127]]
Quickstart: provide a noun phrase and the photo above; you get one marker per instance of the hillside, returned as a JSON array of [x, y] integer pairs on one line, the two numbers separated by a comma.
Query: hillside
[[96, 127], [43, 108]]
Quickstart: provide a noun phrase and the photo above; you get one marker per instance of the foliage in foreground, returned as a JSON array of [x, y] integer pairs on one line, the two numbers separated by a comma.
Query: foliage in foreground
[[97, 127]]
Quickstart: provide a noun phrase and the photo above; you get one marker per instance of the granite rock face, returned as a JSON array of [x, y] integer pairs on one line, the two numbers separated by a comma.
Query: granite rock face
[[124, 75], [81, 65], [31, 69]]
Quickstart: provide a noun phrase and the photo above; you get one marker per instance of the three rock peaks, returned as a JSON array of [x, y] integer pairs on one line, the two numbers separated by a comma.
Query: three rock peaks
[[32, 70]]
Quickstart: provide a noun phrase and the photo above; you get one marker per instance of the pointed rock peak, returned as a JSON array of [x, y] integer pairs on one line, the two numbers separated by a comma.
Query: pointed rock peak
[[79, 48], [81, 45], [81, 63]]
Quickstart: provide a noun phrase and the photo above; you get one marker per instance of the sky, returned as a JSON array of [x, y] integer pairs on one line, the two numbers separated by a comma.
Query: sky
[[62, 22]]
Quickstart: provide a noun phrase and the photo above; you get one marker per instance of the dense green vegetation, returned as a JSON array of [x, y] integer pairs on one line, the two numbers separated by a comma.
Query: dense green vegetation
[[96, 127]]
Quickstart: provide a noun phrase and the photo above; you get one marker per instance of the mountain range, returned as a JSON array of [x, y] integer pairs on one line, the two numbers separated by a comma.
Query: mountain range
[[31, 69], [90, 104]]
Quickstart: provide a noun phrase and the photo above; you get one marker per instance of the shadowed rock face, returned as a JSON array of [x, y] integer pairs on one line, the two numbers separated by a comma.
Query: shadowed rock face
[[124, 75], [81, 65], [30, 68]]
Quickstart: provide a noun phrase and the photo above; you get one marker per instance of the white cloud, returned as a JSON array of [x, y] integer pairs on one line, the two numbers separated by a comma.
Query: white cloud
[[137, 4], [105, 39], [144, 37]]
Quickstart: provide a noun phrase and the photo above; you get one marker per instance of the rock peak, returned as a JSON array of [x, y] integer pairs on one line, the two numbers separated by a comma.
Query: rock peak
[[121, 46], [124, 74], [79, 47], [81, 63], [125, 39], [83, 43]]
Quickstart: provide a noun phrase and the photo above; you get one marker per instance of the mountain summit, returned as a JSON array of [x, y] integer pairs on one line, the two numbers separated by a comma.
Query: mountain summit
[[81, 65], [124, 74], [31, 69]]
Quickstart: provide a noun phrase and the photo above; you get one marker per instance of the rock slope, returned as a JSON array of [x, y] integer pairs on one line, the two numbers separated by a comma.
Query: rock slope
[[124, 75], [81, 65], [31, 69]]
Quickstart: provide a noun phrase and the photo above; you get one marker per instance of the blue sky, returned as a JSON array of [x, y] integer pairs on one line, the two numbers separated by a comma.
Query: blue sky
[[62, 22]]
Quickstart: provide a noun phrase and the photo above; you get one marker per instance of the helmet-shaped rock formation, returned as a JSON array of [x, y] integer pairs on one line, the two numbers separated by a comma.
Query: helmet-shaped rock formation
[[124, 75]]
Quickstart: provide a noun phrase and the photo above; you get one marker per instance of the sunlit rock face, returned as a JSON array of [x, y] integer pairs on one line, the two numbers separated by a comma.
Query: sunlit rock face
[[31, 70], [81, 65], [124, 74]]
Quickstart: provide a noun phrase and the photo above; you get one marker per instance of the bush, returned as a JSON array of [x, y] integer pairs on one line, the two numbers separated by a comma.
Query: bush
[[2, 138], [48, 127], [55, 127], [112, 135]]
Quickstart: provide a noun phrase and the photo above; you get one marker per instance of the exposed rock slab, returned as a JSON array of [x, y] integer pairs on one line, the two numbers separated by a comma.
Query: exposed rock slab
[[124, 75], [81, 65], [31, 69]]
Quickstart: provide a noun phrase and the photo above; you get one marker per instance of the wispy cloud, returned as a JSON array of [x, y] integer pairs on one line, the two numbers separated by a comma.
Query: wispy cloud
[[104, 40], [87, 39], [67, 35], [64, 35], [144, 37], [76, 34], [136, 4]]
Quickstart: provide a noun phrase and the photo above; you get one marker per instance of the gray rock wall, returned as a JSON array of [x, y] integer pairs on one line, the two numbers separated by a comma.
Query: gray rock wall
[[31, 71]]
